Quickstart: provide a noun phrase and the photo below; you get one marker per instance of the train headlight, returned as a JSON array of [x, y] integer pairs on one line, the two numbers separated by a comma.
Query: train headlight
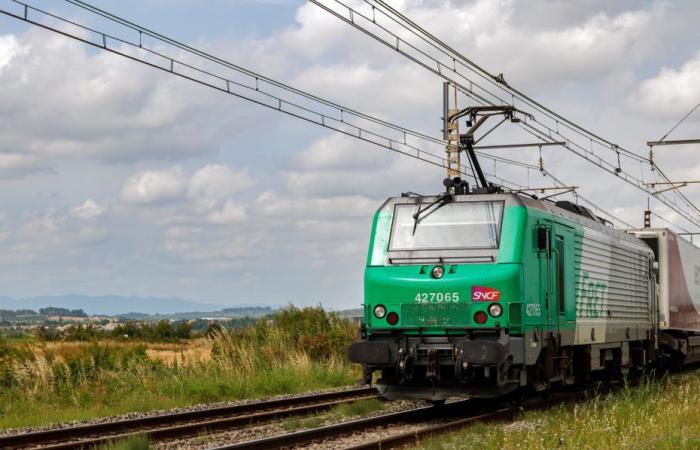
[[480, 317], [438, 272], [495, 310], [379, 311]]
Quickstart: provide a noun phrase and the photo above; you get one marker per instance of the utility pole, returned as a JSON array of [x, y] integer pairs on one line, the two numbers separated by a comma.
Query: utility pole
[[451, 130]]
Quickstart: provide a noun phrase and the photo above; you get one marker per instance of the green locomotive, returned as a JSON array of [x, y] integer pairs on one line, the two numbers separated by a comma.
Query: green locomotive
[[481, 294]]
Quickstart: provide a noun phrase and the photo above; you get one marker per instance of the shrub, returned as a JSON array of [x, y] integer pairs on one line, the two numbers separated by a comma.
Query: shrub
[[81, 379]]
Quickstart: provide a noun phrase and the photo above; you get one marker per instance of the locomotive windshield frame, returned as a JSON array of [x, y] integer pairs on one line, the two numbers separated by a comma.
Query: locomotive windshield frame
[[469, 225], [386, 251]]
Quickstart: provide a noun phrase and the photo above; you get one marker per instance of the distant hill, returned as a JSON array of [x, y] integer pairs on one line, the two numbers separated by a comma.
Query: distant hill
[[111, 305]]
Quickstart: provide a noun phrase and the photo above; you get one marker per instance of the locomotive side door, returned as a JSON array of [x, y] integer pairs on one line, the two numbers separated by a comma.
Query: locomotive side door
[[563, 311], [556, 278], [545, 246]]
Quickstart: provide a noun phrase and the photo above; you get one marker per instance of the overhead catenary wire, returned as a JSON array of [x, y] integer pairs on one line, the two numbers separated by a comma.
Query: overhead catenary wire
[[500, 83], [497, 81], [452, 70], [670, 223], [680, 122], [442, 68], [404, 140], [254, 92]]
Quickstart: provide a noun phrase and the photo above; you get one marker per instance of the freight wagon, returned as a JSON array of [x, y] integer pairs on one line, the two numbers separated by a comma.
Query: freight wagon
[[483, 294], [678, 281]]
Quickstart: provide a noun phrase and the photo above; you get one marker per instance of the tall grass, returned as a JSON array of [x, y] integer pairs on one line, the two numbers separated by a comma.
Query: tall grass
[[659, 414], [47, 383]]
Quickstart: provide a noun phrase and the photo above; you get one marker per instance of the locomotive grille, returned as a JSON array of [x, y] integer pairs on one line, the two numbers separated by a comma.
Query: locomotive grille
[[435, 315]]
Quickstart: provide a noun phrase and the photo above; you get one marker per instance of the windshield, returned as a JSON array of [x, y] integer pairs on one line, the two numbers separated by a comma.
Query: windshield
[[459, 225]]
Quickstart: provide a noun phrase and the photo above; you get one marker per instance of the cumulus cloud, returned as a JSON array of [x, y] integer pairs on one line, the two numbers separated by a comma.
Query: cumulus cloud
[[490, 32], [154, 186], [274, 204], [144, 115], [198, 243], [230, 213], [9, 48], [18, 163], [671, 91], [208, 189], [192, 219], [40, 235], [337, 151], [215, 182], [88, 210]]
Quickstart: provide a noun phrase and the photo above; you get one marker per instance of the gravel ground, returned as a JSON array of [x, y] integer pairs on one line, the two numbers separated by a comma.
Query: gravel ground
[[137, 415], [273, 429], [369, 435]]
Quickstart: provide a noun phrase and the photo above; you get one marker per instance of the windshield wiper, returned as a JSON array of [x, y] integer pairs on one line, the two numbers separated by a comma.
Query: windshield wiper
[[443, 200]]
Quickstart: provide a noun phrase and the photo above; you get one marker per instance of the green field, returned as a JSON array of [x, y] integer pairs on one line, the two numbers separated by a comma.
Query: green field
[[662, 414], [296, 351]]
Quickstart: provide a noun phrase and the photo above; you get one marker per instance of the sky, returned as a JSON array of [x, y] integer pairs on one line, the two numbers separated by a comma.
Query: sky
[[119, 179]]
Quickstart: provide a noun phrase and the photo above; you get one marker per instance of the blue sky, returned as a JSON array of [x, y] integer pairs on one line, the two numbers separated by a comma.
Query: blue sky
[[117, 179]]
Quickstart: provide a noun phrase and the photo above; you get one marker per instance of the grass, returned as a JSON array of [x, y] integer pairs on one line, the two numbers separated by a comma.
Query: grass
[[359, 408], [343, 411], [132, 443], [87, 380], [661, 414]]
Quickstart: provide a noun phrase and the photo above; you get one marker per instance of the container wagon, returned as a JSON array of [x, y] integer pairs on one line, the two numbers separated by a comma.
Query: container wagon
[[678, 281]]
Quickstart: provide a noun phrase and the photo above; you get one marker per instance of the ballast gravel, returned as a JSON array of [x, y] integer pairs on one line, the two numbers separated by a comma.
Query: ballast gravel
[[139, 415], [278, 427]]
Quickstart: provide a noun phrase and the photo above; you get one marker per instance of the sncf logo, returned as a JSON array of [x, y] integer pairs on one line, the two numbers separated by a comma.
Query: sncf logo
[[485, 294]]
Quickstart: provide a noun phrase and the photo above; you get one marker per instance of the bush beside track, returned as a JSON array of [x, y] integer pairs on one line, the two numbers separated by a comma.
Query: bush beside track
[[295, 351], [659, 414]]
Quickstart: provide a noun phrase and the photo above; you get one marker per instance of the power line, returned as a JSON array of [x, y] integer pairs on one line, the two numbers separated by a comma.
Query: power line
[[499, 81], [677, 124], [496, 80], [670, 223], [452, 69], [255, 88], [506, 183]]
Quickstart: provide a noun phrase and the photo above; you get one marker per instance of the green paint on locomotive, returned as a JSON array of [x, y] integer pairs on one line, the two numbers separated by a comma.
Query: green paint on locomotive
[[431, 306]]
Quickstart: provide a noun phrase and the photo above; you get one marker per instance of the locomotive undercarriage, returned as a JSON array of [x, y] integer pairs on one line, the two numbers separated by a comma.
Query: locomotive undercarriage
[[478, 363], [489, 363]]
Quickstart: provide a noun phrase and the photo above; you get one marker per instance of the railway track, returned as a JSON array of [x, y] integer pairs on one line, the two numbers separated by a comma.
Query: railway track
[[413, 438], [183, 424], [450, 417]]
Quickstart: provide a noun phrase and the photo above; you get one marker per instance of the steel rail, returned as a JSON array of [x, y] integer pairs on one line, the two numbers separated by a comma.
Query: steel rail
[[413, 437], [299, 437], [454, 412], [161, 426]]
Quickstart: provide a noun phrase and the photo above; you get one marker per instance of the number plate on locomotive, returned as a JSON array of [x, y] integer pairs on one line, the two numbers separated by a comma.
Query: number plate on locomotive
[[437, 297]]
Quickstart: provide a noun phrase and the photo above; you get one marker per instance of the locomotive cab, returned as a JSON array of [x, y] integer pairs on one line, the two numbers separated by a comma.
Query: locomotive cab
[[443, 296]]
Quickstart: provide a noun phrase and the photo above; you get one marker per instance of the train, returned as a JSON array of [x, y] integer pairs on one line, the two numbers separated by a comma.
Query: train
[[485, 294]]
